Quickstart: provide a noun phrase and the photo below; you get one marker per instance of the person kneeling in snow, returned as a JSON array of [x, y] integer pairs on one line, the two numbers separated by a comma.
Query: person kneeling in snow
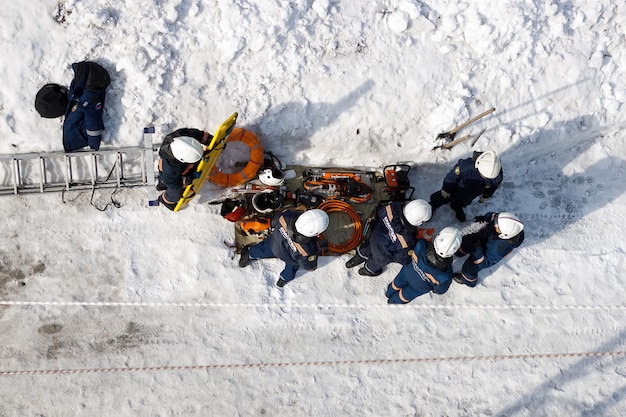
[[294, 240], [430, 268], [180, 153], [499, 235], [393, 235]]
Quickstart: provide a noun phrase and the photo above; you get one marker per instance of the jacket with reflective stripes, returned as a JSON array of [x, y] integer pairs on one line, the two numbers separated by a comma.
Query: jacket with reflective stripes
[[465, 183], [83, 124], [421, 275], [486, 248], [174, 174], [391, 239], [290, 247]]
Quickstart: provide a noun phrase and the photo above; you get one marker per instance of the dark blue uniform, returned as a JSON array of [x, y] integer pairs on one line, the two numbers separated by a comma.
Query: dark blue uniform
[[485, 249], [286, 244], [390, 240], [174, 175], [83, 124], [425, 273], [464, 183]]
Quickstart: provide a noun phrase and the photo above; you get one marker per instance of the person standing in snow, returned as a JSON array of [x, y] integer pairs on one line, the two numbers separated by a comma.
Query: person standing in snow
[[393, 235], [180, 153], [430, 268], [294, 240], [479, 175], [498, 235]]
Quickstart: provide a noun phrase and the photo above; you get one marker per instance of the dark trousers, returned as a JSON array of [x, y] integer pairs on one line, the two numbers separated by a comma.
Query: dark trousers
[[437, 200], [264, 250]]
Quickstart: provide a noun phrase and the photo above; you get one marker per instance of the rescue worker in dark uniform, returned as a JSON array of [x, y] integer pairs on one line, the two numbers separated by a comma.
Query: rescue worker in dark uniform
[[393, 235], [180, 153], [83, 124], [480, 175], [294, 240], [499, 235], [430, 268]]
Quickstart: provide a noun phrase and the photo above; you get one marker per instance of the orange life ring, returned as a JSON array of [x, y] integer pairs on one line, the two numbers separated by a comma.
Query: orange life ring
[[226, 172]]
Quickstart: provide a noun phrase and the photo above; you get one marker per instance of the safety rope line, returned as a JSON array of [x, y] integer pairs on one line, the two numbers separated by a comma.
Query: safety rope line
[[316, 363], [322, 305]]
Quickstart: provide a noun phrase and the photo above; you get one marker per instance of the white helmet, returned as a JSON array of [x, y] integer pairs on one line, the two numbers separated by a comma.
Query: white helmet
[[447, 242], [509, 224], [417, 212], [312, 222], [187, 150], [488, 164], [272, 177]]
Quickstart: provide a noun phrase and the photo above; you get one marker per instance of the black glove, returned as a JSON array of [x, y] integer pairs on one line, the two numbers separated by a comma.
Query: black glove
[[482, 219]]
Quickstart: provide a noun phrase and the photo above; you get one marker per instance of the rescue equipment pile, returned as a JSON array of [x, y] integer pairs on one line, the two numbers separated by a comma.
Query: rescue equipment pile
[[260, 186], [349, 196]]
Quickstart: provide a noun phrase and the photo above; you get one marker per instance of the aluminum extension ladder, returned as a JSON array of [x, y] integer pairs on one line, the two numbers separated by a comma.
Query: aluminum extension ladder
[[35, 173]]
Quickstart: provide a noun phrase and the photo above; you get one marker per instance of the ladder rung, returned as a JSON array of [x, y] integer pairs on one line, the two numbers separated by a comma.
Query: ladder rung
[[16, 175], [42, 173], [79, 171], [68, 171], [118, 169], [94, 169]]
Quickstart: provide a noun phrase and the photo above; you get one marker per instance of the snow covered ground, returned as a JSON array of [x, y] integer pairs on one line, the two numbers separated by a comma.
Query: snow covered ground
[[322, 82]]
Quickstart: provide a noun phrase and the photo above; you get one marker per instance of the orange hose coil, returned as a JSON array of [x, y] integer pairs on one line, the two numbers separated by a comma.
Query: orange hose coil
[[252, 167], [357, 237]]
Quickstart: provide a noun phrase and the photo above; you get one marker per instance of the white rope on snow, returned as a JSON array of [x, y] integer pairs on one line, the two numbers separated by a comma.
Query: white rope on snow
[[316, 363], [311, 305]]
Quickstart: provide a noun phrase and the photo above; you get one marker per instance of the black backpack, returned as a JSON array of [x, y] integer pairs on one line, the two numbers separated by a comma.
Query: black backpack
[[51, 101]]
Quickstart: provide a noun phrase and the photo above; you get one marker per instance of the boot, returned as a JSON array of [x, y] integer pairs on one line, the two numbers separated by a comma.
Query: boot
[[170, 206], [458, 278], [364, 271], [460, 214], [161, 186], [355, 260], [244, 259], [281, 283], [437, 200]]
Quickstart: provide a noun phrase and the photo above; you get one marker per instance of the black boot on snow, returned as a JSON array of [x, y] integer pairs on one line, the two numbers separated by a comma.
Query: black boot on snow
[[161, 186], [458, 278], [436, 201], [281, 282], [169, 206], [244, 259], [364, 271], [355, 260], [460, 214]]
